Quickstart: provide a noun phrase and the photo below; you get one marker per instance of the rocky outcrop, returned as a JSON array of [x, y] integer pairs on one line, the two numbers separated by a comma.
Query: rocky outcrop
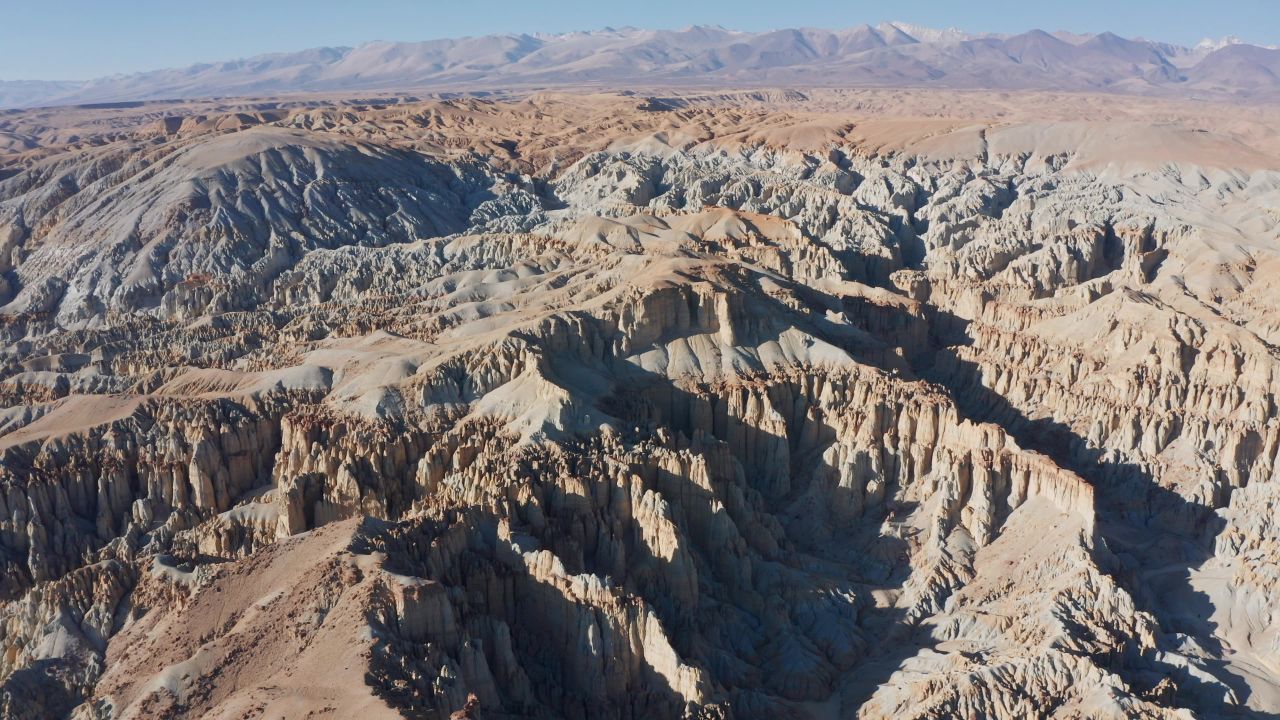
[[532, 409]]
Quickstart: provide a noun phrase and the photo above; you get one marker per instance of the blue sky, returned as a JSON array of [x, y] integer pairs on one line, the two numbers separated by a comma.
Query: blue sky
[[76, 39]]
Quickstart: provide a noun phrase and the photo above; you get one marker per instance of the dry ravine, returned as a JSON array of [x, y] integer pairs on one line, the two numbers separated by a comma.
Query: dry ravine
[[739, 405]]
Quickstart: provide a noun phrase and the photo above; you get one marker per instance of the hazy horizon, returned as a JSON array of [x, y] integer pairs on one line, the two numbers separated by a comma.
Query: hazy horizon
[[81, 40]]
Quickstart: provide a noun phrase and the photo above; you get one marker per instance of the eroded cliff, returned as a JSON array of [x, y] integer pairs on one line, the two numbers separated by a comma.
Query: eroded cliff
[[729, 406]]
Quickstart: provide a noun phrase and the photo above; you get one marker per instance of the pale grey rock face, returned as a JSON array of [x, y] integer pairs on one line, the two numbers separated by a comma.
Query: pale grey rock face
[[567, 406]]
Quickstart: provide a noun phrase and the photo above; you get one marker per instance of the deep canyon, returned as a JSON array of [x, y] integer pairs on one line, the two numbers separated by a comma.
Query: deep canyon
[[743, 404]]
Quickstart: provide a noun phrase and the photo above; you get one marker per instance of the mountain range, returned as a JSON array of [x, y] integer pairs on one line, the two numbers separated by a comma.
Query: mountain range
[[889, 54]]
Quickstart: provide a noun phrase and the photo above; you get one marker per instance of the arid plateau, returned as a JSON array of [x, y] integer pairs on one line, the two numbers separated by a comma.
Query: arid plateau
[[801, 403]]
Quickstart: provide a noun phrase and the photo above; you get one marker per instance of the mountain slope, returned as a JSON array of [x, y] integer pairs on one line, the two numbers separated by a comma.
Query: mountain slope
[[887, 54]]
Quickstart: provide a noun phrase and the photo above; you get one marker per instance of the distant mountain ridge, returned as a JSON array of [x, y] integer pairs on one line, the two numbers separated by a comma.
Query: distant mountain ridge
[[889, 54]]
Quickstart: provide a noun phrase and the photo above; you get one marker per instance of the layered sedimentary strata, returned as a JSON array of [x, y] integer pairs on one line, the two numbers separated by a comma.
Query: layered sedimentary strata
[[564, 406]]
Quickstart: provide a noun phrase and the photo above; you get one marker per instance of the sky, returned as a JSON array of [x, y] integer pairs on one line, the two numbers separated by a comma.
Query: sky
[[81, 39]]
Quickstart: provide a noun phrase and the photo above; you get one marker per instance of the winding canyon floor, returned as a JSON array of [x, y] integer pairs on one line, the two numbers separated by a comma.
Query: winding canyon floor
[[778, 404]]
